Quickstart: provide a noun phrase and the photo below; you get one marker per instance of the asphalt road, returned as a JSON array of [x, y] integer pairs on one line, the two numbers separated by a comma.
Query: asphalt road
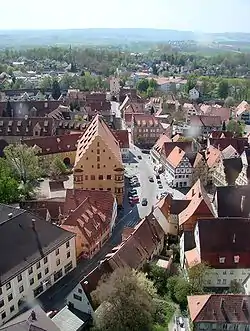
[[55, 297]]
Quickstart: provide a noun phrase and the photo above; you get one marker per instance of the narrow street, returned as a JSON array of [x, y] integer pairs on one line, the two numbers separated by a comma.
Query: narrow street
[[55, 297]]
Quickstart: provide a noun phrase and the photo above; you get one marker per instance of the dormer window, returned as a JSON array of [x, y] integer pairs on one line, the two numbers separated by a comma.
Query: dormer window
[[236, 259], [222, 259]]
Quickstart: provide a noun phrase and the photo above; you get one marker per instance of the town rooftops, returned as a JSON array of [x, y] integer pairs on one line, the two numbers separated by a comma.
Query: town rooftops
[[220, 308], [233, 201], [212, 155], [222, 112], [238, 143], [98, 128], [205, 121], [160, 142], [35, 319], [168, 147], [122, 137], [242, 107], [146, 120], [175, 156], [31, 239], [224, 242], [102, 200], [54, 144]]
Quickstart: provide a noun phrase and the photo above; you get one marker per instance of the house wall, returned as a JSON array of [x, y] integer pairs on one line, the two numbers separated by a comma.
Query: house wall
[[62, 259], [200, 172], [180, 176], [98, 165], [223, 277], [79, 300], [146, 136]]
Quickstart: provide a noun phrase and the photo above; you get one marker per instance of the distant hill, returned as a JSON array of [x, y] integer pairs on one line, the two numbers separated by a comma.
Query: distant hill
[[23, 38]]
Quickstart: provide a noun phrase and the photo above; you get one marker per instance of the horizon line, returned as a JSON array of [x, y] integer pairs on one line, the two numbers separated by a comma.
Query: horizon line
[[115, 28]]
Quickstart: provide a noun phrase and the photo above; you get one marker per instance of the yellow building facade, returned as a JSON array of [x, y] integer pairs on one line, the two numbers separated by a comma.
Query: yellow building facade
[[98, 162]]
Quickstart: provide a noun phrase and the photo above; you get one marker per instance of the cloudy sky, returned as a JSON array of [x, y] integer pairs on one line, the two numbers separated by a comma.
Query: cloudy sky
[[195, 15]]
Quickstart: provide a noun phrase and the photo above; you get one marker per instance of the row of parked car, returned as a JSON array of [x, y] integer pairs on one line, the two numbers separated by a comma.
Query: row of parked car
[[133, 194]]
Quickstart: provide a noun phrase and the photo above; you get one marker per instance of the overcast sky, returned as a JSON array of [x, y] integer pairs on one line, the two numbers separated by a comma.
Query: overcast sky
[[195, 15]]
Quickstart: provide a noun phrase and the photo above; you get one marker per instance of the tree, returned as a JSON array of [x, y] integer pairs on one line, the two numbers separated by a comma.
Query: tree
[[224, 127], [9, 187], [223, 89], [127, 302], [179, 288], [142, 85], [236, 127], [236, 287], [197, 277], [24, 162], [229, 102], [159, 276], [150, 92], [191, 82], [57, 167], [56, 90], [45, 83]]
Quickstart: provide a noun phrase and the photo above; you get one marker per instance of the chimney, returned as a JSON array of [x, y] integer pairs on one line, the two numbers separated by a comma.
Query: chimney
[[199, 194], [10, 215], [234, 238], [33, 224], [180, 151], [33, 315], [242, 203], [192, 192]]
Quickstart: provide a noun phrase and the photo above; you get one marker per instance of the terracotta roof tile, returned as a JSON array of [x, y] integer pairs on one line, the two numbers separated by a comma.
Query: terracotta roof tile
[[203, 120], [238, 143], [230, 240], [220, 308], [145, 120], [55, 144], [103, 200], [243, 106], [175, 156], [122, 137], [168, 147], [160, 142], [192, 257], [213, 155]]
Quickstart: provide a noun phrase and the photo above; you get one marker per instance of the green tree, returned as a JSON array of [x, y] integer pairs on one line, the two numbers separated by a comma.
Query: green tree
[[150, 92], [127, 302], [236, 287], [223, 89], [159, 276], [142, 85], [236, 127], [229, 102], [197, 277], [179, 288], [9, 187], [56, 90], [45, 83], [57, 167], [191, 82], [24, 163]]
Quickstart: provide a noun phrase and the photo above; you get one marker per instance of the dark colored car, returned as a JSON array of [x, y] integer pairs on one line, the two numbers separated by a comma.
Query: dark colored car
[[144, 202], [151, 179]]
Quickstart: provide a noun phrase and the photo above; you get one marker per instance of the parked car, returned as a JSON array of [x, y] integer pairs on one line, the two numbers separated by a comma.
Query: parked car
[[134, 199], [139, 157], [157, 176], [163, 194], [132, 193], [160, 186], [151, 179], [144, 202], [158, 181]]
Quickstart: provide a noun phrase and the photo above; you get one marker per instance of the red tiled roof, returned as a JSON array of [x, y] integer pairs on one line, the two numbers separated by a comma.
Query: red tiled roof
[[225, 238], [103, 200], [221, 134], [122, 137], [90, 220], [186, 146], [55, 144], [140, 244], [222, 112], [203, 120], [238, 143], [220, 308]]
